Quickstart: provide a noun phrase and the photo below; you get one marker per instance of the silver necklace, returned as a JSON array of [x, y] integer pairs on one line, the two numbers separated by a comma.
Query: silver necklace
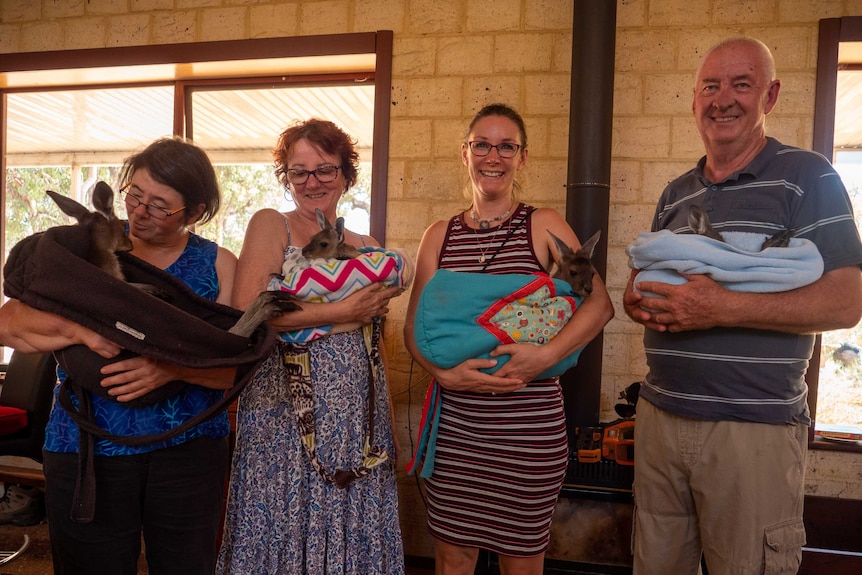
[[486, 224], [490, 243]]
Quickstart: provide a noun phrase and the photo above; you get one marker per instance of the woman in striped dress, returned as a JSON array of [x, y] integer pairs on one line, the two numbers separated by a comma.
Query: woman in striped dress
[[501, 449]]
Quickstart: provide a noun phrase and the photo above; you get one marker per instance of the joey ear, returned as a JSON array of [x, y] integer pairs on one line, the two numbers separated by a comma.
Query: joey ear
[[103, 200], [589, 246], [562, 247], [339, 228], [69, 206], [321, 220]]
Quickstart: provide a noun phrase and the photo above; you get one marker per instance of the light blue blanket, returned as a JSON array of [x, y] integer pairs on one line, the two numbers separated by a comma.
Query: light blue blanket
[[738, 265]]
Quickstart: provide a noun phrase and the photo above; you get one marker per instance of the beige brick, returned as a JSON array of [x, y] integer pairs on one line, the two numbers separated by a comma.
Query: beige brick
[[488, 89], [523, 53], [131, 30], [546, 94], [18, 11], [493, 16], [273, 21], [447, 138], [398, 99], [693, 44], [668, 94], [150, 5], [67, 9], [615, 355], [413, 137], [658, 174], [789, 46], [625, 182], [545, 180], [678, 13], [324, 17], [440, 181], [42, 36], [85, 33], [182, 4], [797, 93], [413, 56], [641, 137], [537, 137], [562, 61], [174, 27], [223, 24], [465, 55], [685, 140], [804, 11], [104, 7], [395, 181], [548, 14], [644, 51], [434, 97], [438, 17], [632, 13], [371, 15], [750, 12], [625, 222], [10, 35], [558, 138], [628, 93], [789, 130]]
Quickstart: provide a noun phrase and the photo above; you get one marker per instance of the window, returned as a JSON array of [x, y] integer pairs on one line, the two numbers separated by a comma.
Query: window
[[70, 118], [835, 373]]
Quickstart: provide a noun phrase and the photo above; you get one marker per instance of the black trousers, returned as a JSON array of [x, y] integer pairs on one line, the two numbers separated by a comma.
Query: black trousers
[[174, 496]]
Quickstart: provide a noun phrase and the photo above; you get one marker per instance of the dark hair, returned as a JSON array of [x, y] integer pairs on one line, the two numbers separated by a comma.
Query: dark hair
[[500, 110], [183, 166], [326, 137]]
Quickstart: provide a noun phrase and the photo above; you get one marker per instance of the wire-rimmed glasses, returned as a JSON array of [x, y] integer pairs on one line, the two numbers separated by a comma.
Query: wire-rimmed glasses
[[157, 212]]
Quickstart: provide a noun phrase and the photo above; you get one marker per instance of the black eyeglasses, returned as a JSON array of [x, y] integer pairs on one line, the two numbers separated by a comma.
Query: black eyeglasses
[[323, 174], [504, 150], [132, 202]]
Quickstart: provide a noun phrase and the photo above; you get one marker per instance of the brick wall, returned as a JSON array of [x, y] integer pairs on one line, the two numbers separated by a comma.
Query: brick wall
[[451, 57]]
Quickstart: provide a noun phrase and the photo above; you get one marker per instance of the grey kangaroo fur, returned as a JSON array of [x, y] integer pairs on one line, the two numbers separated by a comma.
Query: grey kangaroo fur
[[108, 236], [329, 241], [700, 224], [575, 267]]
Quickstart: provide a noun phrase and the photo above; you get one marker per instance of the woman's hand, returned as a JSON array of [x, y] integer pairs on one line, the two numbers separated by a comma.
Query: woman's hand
[[135, 377], [30, 330], [526, 361], [466, 377], [371, 301]]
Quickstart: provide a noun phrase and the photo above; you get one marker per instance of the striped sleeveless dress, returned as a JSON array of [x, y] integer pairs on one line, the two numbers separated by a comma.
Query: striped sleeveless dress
[[500, 459]]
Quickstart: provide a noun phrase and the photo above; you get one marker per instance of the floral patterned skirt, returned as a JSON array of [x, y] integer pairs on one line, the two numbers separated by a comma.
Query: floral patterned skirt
[[282, 516]]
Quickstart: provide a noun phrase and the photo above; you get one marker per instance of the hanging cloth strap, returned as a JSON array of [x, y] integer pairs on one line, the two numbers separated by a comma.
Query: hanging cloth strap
[[297, 365]]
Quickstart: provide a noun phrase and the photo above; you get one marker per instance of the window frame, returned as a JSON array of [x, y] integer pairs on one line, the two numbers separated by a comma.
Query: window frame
[[832, 31], [28, 72]]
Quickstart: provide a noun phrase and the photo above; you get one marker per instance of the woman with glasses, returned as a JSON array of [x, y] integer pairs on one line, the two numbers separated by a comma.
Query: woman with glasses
[[170, 492], [285, 513], [501, 450]]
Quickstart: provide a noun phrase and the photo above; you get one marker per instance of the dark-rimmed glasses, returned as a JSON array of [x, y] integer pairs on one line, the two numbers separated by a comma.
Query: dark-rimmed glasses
[[132, 202], [323, 174], [504, 150]]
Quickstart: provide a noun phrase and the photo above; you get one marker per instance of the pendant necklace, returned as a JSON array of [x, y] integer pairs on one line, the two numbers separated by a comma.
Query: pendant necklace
[[485, 227], [485, 224]]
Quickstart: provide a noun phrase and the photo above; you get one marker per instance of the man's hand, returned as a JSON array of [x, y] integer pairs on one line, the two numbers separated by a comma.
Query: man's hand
[[694, 305]]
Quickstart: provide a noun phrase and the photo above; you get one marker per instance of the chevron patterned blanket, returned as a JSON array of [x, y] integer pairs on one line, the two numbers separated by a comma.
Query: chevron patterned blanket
[[329, 280]]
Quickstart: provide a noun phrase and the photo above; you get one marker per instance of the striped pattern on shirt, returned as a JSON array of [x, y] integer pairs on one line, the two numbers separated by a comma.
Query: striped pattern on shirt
[[500, 460]]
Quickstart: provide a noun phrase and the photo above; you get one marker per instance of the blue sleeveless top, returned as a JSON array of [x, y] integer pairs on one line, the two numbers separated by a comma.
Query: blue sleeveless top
[[196, 267]]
